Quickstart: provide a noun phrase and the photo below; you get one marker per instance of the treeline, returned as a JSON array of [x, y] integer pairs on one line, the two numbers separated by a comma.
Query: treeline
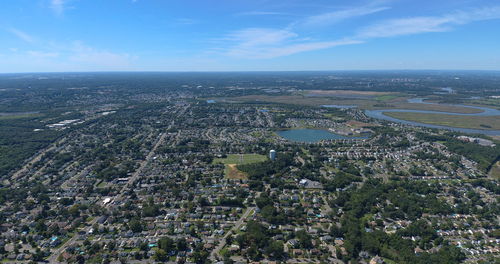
[[406, 203], [483, 155], [260, 172], [257, 240], [19, 142], [263, 169]]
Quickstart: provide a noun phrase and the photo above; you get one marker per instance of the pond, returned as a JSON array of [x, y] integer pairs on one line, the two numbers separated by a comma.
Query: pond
[[312, 135]]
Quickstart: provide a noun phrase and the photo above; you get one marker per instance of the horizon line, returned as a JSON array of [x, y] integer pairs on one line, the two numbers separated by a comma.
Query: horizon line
[[255, 71]]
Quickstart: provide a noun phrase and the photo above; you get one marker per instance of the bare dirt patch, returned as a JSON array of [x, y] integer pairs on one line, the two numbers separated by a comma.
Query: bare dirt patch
[[495, 171], [232, 172]]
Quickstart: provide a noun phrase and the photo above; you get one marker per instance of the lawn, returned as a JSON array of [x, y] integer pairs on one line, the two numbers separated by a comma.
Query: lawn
[[232, 160], [20, 116], [437, 107], [474, 122], [387, 97], [102, 184], [239, 159]]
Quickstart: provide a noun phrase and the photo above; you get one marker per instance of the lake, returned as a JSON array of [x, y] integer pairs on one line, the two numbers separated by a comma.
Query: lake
[[312, 135]]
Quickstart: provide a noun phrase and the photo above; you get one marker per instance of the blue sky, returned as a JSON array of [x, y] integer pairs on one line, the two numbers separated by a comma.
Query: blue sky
[[248, 35]]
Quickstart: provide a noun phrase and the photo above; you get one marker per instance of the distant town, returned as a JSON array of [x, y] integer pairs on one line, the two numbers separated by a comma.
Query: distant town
[[330, 167]]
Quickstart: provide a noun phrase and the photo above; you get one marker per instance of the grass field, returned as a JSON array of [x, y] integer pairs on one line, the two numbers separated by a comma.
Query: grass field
[[474, 122], [436, 107], [233, 160], [388, 101], [304, 100], [241, 159], [487, 102], [19, 116], [387, 97]]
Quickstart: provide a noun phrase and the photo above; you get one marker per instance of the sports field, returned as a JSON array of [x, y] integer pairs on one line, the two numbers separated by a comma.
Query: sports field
[[390, 101], [233, 160]]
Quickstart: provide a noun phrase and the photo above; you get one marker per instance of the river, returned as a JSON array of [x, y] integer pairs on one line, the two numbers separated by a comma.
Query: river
[[379, 114]]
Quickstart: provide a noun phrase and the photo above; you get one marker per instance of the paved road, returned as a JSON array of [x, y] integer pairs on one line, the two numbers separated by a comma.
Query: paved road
[[143, 164], [53, 257], [236, 227], [24, 169], [55, 254]]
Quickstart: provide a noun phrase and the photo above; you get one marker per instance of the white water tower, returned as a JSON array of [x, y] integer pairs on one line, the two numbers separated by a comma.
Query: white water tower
[[272, 154]]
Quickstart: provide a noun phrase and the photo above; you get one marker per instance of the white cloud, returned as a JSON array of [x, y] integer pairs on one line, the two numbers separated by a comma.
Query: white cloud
[[418, 25], [265, 43], [100, 59], [260, 36], [260, 13], [330, 18], [42, 54], [22, 35], [75, 56], [57, 6], [405, 26], [285, 50]]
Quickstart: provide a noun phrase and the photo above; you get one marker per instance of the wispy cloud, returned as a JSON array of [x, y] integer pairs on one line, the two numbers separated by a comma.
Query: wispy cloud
[[427, 24], [57, 6], [101, 59], [330, 18], [251, 37], [265, 43], [74, 56], [260, 13], [22, 35], [42, 54], [285, 50]]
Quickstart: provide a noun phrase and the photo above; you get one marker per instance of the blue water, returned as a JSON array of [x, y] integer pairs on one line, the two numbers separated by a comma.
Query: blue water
[[312, 135], [379, 114]]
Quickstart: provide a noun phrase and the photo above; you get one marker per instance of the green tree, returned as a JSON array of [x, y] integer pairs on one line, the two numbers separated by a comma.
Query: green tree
[[135, 225], [275, 250], [304, 239], [160, 255], [166, 243]]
